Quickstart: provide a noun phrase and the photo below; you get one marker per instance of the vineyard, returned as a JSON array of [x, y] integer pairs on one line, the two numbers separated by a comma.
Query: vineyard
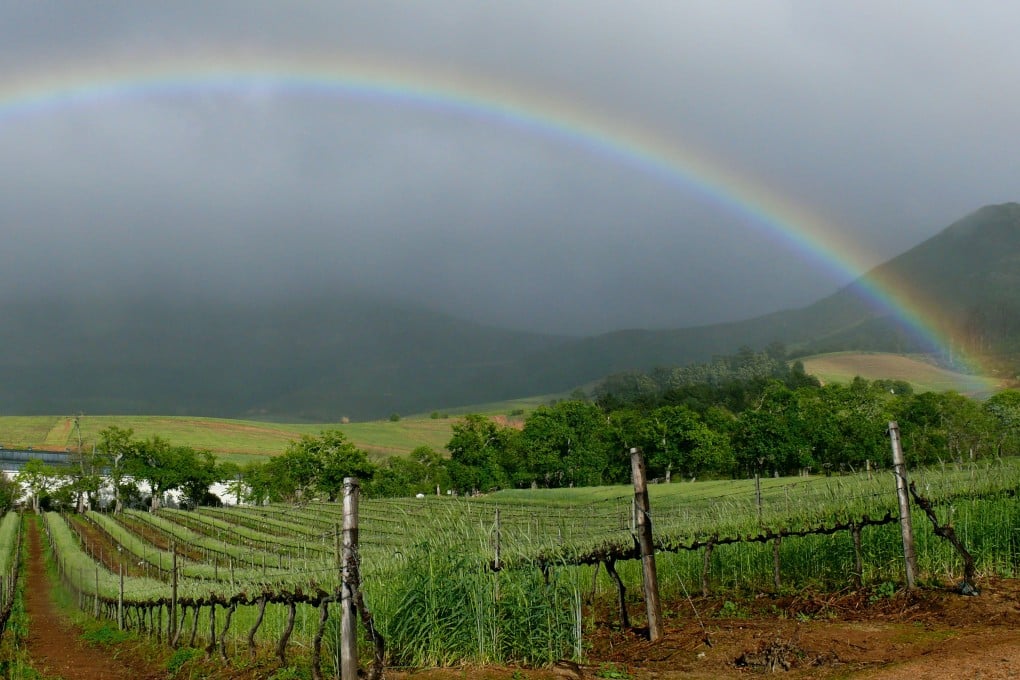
[[509, 577]]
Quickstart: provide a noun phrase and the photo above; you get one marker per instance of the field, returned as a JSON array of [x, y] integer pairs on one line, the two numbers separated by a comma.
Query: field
[[921, 374], [237, 440], [245, 440], [524, 577]]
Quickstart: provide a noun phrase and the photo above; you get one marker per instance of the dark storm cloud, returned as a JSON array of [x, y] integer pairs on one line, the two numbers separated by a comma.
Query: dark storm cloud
[[887, 121]]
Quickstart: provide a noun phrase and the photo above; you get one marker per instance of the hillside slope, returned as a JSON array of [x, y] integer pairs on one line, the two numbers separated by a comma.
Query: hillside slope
[[352, 355], [320, 360], [966, 279]]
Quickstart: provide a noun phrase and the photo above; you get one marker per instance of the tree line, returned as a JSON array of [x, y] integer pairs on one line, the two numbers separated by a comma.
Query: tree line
[[120, 471], [736, 416], [749, 413]]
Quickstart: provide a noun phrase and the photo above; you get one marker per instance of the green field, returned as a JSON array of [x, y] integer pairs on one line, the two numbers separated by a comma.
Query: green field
[[237, 440], [245, 440], [923, 376]]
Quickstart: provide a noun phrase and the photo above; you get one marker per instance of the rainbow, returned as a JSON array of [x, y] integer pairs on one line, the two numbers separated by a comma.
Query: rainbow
[[497, 104]]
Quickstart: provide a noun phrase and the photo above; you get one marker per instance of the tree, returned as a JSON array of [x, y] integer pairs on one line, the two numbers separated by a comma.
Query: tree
[[162, 466], [86, 472], [1004, 409], [478, 448], [434, 473], [37, 478], [10, 492], [232, 474], [567, 444], [113, 447], [675, 438], [767, 437], [199, 472], [398, 476], [309, 467]]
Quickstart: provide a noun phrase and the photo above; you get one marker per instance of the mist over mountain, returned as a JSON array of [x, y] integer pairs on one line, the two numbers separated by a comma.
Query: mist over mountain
[[360, 355]]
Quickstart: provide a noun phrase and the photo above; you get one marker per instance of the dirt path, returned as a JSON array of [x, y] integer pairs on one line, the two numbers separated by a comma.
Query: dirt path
[[54, 643]]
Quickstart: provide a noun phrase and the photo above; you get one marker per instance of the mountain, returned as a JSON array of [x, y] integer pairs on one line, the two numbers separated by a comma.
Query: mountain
[[966, 281], [312, 359], [352, 355]]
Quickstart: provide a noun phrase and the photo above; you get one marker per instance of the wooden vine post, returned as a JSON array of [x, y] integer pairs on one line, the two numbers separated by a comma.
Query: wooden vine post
[[173, 589], [497, 563], [349, 582], [120, 600], [900, 472], [644, 534]]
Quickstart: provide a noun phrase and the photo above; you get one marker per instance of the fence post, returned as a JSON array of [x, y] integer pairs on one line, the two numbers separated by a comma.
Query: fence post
[[900, 472], [173, 588], [349, 581], [644, 527], [496, 564], [120, 600], [757, 494]]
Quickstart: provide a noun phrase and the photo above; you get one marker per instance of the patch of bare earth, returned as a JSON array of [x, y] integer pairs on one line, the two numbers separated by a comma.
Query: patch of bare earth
[[55, 645], [928, 634]]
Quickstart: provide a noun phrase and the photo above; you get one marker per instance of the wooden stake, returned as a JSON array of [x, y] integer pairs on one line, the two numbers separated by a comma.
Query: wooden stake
[[120, 601], [906, 531], [496, 565], [644, 531], [855, 531], [173, 592], [349, 583]]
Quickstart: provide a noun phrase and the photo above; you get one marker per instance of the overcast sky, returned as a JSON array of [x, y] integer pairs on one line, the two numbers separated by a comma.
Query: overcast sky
[[887, 121]]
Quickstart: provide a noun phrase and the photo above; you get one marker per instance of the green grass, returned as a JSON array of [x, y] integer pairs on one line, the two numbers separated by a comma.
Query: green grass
[[237, 440], [923, 376], [245, 440], [23, 431]]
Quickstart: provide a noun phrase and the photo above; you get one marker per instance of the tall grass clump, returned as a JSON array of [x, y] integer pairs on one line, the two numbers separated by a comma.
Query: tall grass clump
[[444, 606]]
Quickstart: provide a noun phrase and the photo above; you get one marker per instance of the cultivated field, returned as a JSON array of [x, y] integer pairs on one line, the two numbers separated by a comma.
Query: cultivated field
[[526, 577], [921, 374], [244, 440]]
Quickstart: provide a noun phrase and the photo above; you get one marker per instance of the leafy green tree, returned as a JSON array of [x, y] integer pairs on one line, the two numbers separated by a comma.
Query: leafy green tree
[[939, 426], [845, 425], [162, 466], [308, 468], [334, 458], [1004, 410], [568, 444], [399, 476], [199, 472], [36, 478], [769, 437], [433, 465], [676, 439], [10, 492], [478, 448], [112, 448]]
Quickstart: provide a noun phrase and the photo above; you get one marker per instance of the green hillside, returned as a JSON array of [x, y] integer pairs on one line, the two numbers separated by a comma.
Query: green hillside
[[921, 374], [970, 273]]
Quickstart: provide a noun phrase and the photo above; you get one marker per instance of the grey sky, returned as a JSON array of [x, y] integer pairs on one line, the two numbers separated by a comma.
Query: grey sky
[[889, 120]]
